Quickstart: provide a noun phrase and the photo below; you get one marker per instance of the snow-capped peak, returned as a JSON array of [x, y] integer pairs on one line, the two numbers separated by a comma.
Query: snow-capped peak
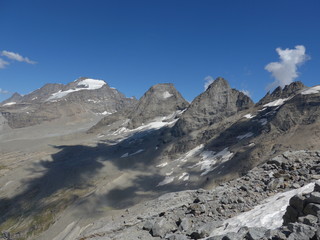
[[86, 84], [92, 84]]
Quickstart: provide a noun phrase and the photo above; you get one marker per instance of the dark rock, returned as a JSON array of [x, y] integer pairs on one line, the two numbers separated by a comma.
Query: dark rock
[[297, 202], [313, 209], [317, 187], [196, 235]]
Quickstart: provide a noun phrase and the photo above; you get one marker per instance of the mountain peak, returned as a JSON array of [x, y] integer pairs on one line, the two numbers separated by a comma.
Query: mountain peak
[[160, 100], [219, 83], [216, 103]]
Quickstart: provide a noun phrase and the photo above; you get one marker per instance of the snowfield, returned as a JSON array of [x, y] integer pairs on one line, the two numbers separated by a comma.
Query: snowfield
[[9, 104], [276, 103], [311, 90]]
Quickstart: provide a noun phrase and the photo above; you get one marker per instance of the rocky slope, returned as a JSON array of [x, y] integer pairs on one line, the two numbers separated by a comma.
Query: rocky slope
[[54, 101], [237, 209]]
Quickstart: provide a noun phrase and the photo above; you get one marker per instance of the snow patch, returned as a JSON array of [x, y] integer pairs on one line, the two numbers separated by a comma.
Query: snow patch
[[247, 135], [210, 160], [129, 155], [249, 116], [105, 113], [165, 181], [166, 95], [276, 103], [191, 153], [268, 214], [9, 104], [124, 155], [162, 164], [263, 121], [184, 176], [169, 173], [311, 90]]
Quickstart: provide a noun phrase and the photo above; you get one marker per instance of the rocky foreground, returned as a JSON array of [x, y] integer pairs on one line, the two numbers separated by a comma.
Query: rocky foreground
[[224, 212]]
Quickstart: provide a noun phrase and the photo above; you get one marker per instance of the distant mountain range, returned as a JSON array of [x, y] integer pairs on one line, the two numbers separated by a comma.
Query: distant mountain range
[[137, 150]]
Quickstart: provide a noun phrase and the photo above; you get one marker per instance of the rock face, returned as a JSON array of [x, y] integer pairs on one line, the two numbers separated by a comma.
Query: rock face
[[54, 101], [215, 104], [279, 93]]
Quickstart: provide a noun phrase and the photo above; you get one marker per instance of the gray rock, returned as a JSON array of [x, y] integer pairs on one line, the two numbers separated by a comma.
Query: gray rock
[[175, 236], [161, 227], [301, 231], [197, 208], [207, 228], [185, 224], [148, 225], [308, 220], [255, 233]]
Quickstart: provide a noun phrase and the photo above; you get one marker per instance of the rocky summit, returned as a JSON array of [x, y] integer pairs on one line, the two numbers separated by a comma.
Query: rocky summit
[[83, 161]]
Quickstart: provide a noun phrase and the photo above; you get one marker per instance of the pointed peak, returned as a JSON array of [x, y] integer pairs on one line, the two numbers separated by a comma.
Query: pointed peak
[[218, 83]]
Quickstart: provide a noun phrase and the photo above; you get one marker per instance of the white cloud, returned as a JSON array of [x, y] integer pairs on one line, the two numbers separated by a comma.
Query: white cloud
[[3, 91], [16, 57], [285, 71], [208, 80], [3, 63], [246, 92]]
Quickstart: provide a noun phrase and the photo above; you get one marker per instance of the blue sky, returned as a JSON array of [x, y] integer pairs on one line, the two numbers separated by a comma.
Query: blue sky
[[133, 45]]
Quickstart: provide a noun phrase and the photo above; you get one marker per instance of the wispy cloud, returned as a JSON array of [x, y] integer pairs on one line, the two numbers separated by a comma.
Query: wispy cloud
[[3, 63], [246, 92], [285, 71], [208, 80], [3, 91], [16, 57]]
